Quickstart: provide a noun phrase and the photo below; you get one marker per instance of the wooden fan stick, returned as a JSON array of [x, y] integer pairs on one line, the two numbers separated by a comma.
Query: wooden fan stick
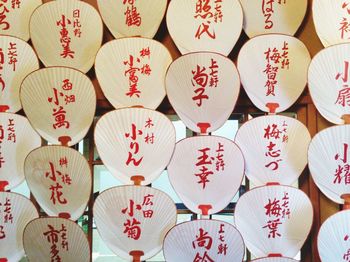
[[64, 140], [4, 108], [346, 205], [272, 107], [3, 184], [137, 180], [136, 255], [346, 119]]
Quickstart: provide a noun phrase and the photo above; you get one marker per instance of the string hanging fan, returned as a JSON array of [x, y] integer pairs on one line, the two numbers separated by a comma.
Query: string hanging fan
[[131, 72], [274, 259]]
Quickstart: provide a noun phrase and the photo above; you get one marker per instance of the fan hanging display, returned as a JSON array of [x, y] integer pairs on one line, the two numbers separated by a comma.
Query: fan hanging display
[[274, 259]]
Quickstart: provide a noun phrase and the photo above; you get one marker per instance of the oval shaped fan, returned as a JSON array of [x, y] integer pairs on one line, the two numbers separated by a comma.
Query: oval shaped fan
[[132, 18], [66, 33], [133, 220], [274, 259], [55, 239], [65, 103], [15, 213], [131, 71], [270, 17], [205, 26], [280, 149], [54, 175], [135, 144], [273, 70], [274, 220], [203, 89], [206, 172]]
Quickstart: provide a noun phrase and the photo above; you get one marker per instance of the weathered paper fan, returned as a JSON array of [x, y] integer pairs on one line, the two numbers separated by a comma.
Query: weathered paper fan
[[132, 18], [135, 144], [131, 71], [269, 17], [54, 175], [274, 220], [204, 240], [206, 172], [274, 259], [60, 103], [198, 26], [133, 220], [55, 239], [203, 89], [66, 33], [17, 139], [273, 69], [280, 146], [15, 213]]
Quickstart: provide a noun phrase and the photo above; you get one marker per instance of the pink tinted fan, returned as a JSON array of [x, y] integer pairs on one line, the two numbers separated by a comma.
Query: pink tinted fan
[[274, 259]]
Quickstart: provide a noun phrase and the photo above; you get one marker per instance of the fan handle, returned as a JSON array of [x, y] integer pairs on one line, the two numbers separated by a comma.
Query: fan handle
[[64, 140], [136, 255], [272, 107], [346, 119], [137, 180], [2, 259], [4, 108], [203, 127], [346, 205], [3, 184]]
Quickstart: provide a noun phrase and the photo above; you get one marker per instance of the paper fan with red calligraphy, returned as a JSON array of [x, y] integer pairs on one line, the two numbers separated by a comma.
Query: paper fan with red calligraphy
[[275, 259], [60, 103], [200, 166], [203, 88], [280, 146], [55, 239], [273, 70], [274, 220], [133, 220], [214, 26], [131, 72], [54, 175], [66, 33], [135, 144]]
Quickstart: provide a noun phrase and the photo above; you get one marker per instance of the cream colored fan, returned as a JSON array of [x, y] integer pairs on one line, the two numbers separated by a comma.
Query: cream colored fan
[[205, 25], [131, 72], [203, 89], [17, 139], [274, 259], [132, 17], [280, 146], [273, 69], [16, 211], [135, 144], [66, 33], [204, 240], [60, 103], [133, 220], [274, 220], [55, 239], [206, 172], [54, 175], [269, 17]]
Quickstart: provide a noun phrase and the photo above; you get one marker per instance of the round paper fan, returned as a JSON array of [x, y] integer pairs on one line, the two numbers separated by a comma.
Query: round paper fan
[[273, 69], [203, 89], [133, 220], [55, 239], [280, 146], [274, 259], [54, 175], [205, 25], [131, 72], [60, 103], [270, 17], [135, 144], [132, 18], [274, 220], [66, 33], [206, 172], [204, 240]]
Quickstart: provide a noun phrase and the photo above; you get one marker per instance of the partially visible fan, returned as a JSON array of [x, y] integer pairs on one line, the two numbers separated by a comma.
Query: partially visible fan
[[274, 259]]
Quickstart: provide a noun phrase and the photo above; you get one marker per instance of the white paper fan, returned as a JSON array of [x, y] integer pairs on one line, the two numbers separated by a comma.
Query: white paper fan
[[135, 144], [204, 240], [133, 220], [203, 89], [54, 175], [15, 213], [280, 146], [205, 25], [131, 72], [274, 259], [65, 103], [17, 139], [269, 17], [274, 220], [132, 17], [66, 33], [55, 239], [206, 172], [273, 69]]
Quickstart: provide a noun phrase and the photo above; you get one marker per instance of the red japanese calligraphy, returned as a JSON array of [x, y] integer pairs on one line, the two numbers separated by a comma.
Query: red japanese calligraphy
[[12, 55], [2, 62], [344, 26], [343, 98], [208, 12], [9, 134], [346, 256], [5, 8], [6, 216], [132, 16], [57, 237], [2, 232], [342, 172], [222, 248], [268, 10], [76, 23], [203, 240]]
